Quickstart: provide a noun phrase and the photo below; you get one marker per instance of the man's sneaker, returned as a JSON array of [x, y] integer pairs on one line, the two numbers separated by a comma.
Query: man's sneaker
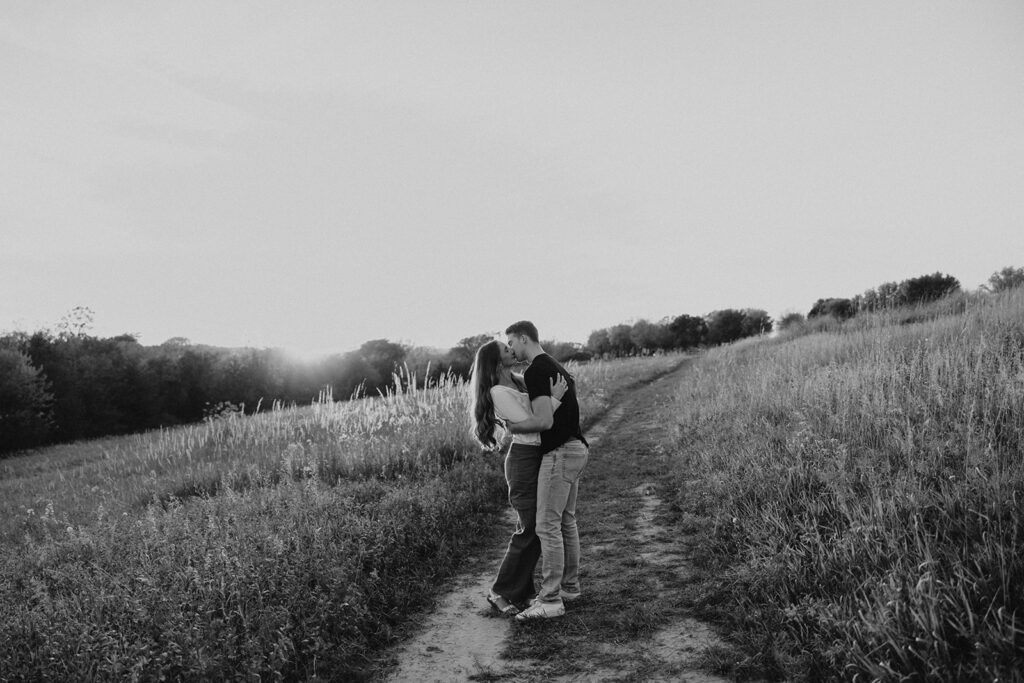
[[541, 610], [567, 596]]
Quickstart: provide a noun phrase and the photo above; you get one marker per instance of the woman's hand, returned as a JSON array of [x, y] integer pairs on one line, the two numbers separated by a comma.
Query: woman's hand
[[559, 386]]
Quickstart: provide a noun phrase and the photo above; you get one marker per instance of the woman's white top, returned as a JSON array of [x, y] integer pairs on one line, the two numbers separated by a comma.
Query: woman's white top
[[514, 406]]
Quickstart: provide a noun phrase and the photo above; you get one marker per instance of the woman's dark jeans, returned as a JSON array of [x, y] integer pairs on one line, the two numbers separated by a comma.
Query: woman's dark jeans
[[515, 575]]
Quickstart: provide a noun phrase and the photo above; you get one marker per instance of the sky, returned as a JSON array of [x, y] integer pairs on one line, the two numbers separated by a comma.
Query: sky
[[310, 176]]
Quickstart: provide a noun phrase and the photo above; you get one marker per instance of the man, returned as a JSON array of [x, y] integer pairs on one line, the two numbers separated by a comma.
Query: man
[[564, 454]]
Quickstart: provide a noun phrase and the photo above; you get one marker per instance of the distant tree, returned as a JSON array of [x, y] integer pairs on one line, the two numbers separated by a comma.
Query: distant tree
[[724, 326], [688, 331], [461, 356], [598, 342], [26, 404], [177, 342], [755, 322], [104, 391], [344, 374], [76, 323], [381, 358], [82, 374], [245, 377], [926, 288], [645, 335], [427, 362], [564, 351], [888, 295], [1005, 279], [620, 339], [664, 339], [194, 388], [790, 321], [641, 335], [869, 301], [842, 309]]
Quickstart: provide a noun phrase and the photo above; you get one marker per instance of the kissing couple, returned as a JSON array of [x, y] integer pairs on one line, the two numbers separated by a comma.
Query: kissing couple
[[542, 467]]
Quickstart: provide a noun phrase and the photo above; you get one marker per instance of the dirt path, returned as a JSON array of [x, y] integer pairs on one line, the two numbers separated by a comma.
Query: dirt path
[[461, 639], [630, 623]]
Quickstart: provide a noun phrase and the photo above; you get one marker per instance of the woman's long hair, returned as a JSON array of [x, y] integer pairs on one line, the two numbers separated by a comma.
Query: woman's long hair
[[486, 374]]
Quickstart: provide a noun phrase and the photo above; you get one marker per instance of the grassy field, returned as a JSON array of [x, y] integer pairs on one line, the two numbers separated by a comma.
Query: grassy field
[[866, 485], [283, 545]]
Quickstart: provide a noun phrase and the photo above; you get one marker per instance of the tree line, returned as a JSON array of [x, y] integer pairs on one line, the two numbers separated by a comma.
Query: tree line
[[63, 384], [679, 333], [910, 292]]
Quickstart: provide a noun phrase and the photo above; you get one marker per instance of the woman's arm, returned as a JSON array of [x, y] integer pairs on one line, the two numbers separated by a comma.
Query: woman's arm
[[542, 416], [540, 420]]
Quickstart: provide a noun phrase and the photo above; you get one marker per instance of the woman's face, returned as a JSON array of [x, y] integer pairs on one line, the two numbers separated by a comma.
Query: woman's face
[[508, 358]]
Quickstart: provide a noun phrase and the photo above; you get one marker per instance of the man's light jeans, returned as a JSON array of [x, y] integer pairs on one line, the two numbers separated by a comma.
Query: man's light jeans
[[557, 485]]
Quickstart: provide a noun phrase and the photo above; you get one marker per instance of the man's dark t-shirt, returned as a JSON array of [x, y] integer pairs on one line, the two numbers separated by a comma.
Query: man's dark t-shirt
[[566, 425]]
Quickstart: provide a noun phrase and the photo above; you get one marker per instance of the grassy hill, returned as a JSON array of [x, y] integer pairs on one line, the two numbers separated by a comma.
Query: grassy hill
[[866, 484]]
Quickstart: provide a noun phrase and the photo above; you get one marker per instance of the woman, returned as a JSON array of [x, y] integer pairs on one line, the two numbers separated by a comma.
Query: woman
[[500, 399]]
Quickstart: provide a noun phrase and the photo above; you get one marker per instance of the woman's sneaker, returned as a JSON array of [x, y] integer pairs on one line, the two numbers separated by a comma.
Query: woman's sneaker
[[503, 606], [568, 596], [541, 610]]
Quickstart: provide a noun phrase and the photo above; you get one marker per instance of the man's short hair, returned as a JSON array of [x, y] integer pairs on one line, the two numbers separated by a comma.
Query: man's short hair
[[524, 327]]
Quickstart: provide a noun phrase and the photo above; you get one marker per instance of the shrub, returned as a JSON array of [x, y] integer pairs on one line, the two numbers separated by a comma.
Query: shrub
[[837, 308], [1006, 279]]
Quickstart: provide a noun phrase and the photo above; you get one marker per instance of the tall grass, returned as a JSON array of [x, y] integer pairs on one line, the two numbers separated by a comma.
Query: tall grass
[[286, 545], [418, 429], [867, 485]]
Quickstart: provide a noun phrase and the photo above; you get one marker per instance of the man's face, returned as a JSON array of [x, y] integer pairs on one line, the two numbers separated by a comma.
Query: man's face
[[516, 342]]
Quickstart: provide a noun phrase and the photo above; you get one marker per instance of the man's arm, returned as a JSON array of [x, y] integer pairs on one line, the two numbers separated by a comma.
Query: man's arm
[[541, 420]]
